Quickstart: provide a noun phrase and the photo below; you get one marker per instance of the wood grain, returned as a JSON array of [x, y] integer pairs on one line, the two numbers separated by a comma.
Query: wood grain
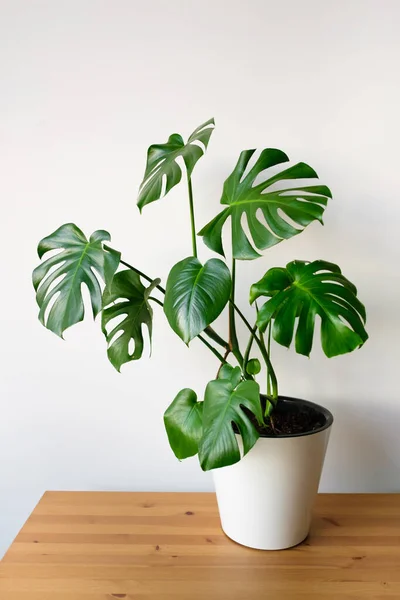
[[142, 546]]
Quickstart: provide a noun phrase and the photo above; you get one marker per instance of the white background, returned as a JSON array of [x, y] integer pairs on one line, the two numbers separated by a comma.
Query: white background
[[86, 87]]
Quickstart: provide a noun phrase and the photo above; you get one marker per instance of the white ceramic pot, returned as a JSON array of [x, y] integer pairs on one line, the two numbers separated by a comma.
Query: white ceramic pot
[[265, 500]]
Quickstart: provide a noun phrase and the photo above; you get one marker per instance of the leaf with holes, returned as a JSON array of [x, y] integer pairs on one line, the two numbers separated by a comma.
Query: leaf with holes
[[300, 204], [195, 295], [304, 290], [162, 162], [58, 280], [128, 297], [183, 421], [223, 405]]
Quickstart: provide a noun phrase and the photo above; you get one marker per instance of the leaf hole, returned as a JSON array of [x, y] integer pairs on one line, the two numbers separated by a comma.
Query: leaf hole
[[289, 220], [115, 337], [52, 253], [200, 144], [50, 306], [250, 165], [131, 347], [115, 322], [54, 283], [163, 186], [246, 229], [261, 218]]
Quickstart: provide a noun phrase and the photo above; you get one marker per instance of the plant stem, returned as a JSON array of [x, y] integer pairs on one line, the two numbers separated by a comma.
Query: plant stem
[[263, 351], [192, 222], [149, 279], [227, 352], [213, 335], [233, 341], [269, 354], [156, 300], [269, 338], [213, 350], [247, 352]]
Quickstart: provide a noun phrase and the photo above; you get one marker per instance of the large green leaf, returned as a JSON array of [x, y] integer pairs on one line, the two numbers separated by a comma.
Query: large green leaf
[[223, 405], [183, 421], [59, 278], [304, 290], [126, 296], [162, 169], [196, 295], [299, 204]]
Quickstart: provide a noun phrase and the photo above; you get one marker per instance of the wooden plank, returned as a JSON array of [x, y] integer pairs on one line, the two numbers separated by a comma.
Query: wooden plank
[[141, 546]]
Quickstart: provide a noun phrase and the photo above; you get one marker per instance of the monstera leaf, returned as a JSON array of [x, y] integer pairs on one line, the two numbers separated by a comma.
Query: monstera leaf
[[195, 295], [234, 374], [299, 204], [223, 405], [183, 421], [304, 290], [58, 280], [126, 296], [162, 166]]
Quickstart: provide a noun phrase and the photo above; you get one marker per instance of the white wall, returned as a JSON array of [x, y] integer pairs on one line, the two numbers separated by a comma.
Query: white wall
[[86, 86]]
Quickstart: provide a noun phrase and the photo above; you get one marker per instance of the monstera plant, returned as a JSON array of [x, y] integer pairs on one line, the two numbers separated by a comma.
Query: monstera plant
[[260, 210]]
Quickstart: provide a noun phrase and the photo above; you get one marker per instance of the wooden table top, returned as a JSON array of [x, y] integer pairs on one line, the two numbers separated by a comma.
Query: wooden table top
[[169, 546]]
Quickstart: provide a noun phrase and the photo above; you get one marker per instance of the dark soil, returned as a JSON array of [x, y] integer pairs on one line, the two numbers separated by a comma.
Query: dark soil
[[289, 418]]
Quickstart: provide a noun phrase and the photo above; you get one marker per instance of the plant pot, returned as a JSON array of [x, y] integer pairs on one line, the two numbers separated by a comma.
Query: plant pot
[[265, 500]]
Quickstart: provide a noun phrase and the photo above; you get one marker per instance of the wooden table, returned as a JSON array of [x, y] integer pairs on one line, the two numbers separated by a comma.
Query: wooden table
[[141, 546]]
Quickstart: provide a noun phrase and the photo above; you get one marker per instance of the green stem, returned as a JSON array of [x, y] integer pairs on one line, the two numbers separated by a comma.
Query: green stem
[[269, 354], [269, 405], [269, 338], [247, 352], [227, 352], [233, 340], [213, 335], [192, 222], [213, 350], [156, 300], [146, 277], [264, 353]]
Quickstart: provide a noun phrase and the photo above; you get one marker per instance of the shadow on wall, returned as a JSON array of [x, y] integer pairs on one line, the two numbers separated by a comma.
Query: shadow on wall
[[363, 450]]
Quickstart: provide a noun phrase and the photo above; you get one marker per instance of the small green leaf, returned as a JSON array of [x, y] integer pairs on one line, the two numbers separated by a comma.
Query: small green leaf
[[223, 405], [301, 292], [233, 374], [196, 295], [253, 366], [80, 261], [184, 423], [126, 296], [161, 162], [299, 204]]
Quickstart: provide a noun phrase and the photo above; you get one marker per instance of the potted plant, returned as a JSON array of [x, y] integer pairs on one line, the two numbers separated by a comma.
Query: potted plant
[[266, 451]]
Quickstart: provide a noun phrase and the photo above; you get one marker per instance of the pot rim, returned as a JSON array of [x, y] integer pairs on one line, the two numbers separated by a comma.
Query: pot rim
[[299, 401]]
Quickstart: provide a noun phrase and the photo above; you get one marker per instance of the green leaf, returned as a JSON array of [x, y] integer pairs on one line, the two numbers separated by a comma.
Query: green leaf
[[233, 374], [128, 297], [196, 295], [183, 421], [162, 166], [223, 405], [299, 204], [60, 277], [301, 292], [253, 366]]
